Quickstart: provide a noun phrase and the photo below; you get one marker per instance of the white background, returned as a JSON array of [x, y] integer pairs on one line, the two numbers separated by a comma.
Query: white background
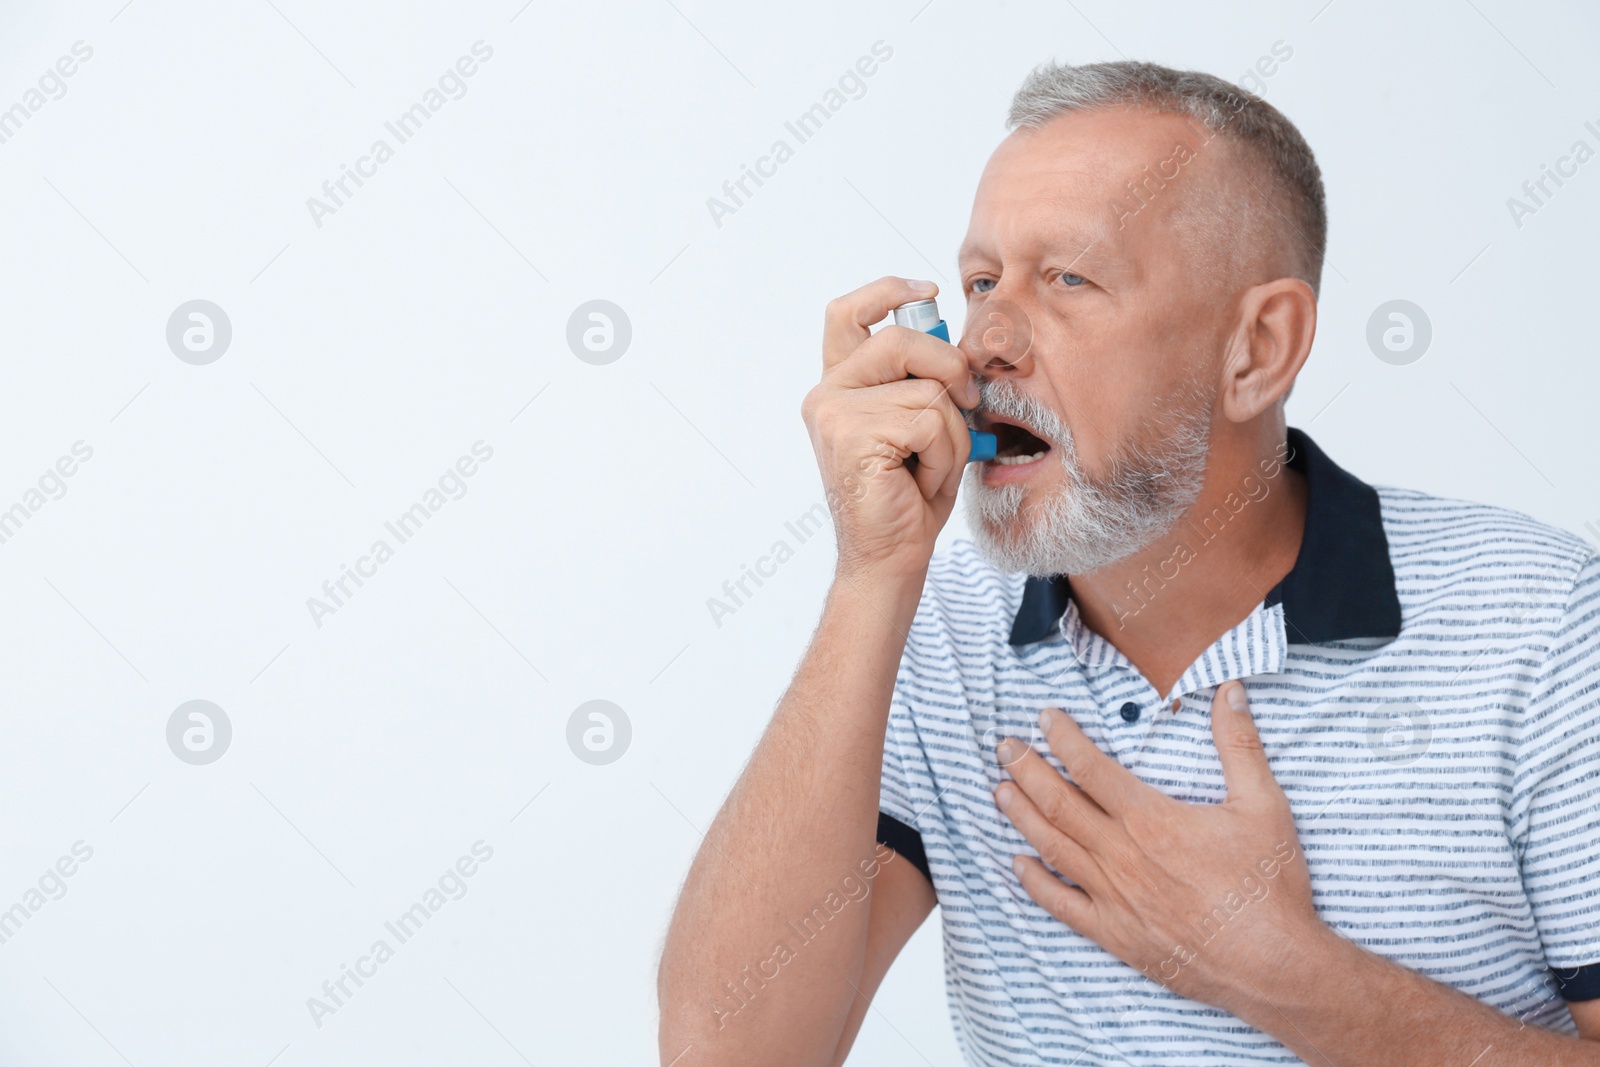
[[369, 353]]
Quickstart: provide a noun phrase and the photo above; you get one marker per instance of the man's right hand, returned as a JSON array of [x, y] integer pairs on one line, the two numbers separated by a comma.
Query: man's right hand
[[866, 419]]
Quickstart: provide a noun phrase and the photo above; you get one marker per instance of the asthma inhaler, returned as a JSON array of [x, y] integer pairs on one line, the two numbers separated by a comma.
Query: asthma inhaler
[[924, 315]]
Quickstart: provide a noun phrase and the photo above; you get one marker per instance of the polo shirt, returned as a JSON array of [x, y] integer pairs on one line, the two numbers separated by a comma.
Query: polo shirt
[[1426, 684]]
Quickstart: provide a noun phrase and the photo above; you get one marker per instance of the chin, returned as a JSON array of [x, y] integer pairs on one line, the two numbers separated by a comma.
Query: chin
[[1009, 542], [1055, 533]]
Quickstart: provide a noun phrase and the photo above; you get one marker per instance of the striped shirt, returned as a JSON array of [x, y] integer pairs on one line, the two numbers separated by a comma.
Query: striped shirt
[[1426, 683]]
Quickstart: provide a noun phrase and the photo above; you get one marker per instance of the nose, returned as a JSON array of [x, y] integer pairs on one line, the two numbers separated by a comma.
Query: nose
[[998, 338]]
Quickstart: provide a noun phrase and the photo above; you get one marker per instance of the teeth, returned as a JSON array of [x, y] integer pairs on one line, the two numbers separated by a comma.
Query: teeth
[[1011, 461]]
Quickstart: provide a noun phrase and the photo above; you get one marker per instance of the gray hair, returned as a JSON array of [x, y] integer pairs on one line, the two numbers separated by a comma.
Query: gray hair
[[1092, 521], [1289, 171]]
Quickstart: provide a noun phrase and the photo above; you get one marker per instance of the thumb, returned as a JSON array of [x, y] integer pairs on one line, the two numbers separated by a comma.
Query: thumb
[[1244, 762]]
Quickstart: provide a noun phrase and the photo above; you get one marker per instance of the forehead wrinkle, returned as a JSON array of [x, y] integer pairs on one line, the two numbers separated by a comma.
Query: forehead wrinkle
[[1053, 237]]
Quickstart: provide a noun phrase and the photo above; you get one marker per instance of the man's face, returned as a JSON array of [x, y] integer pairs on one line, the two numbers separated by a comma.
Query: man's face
[[1086, 233]]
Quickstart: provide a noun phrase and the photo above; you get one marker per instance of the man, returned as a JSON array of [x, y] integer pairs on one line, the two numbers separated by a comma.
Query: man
[[1211, 752]]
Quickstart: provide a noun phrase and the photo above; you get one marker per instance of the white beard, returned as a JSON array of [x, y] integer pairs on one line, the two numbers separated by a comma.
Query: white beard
[[1089, 523]]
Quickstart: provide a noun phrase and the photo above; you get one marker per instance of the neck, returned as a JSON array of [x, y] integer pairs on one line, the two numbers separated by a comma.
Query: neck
[[1164, 605]]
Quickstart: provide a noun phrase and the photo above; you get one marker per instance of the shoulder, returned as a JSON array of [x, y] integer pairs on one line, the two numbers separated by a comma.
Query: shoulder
[[1417, 519], [1456, 553], [966, 603], [965, 592]]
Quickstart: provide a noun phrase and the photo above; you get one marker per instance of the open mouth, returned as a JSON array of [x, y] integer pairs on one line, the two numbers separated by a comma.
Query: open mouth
[[1015, 443]]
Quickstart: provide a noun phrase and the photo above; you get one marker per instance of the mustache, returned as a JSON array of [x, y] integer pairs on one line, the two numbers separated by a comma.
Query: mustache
[[1002, 399]]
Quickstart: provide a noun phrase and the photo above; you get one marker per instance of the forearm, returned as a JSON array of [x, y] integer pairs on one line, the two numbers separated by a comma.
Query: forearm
[[800, 819], [1334, 1004]]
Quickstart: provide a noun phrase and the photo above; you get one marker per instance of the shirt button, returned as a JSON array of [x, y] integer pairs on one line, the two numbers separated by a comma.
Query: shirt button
[[1130, 712]]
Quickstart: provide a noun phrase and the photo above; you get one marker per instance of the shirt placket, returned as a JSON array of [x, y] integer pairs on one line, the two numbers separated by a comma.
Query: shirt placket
[[1126, 705], [1130, 711]]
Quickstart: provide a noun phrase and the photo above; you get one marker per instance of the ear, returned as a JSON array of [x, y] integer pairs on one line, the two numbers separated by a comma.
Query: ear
[[1277, 321]]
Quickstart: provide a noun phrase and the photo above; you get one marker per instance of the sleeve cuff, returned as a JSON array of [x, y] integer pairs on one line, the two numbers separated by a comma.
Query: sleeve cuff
[[907, 843], [1573, 983]]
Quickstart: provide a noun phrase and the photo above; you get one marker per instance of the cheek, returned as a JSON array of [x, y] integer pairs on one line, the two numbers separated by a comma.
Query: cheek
[[1101, 404], [1105, 373]]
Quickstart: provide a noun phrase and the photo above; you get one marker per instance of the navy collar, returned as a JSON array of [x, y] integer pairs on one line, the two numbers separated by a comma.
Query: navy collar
[[1341, 585]]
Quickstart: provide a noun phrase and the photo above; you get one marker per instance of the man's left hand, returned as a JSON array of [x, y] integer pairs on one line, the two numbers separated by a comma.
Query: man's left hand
[[1210, 900]]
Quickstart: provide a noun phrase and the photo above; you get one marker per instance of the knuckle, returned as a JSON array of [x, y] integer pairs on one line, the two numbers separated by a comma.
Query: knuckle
[[1123, 869], [1079, 770], [1055, 805], [810, 403], [894, 338], [871, 348], [928, 390], [818, 412], [1246, 742]]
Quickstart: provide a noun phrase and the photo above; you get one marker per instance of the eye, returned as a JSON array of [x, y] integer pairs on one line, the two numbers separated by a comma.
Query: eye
[[1072, 279], [982, 285]]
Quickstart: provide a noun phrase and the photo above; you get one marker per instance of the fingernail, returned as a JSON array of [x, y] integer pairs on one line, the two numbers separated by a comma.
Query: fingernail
[[918, 286], [1016, 866], [1046, 717], [1003, 795], [1008, 751], [1236, 699]]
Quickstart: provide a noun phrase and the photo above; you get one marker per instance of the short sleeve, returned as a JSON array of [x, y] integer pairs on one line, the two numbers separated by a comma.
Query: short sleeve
[[1557, 793], [897, 809], [894, 791]]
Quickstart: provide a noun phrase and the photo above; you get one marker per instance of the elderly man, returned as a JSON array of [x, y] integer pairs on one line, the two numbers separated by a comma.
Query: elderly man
[[1211, 752]]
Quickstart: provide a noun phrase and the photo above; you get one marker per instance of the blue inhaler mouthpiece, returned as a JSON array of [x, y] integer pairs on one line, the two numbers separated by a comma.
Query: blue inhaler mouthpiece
[[924, 315], [984, 446]]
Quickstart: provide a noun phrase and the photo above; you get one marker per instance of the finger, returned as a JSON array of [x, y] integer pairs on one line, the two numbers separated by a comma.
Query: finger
[[1107, 782], [940, 471], [936, 453], [897, 351], [1069, 904], [1059, 850], [849, 318], [914, 416], [1245, 770], [1061, 802]]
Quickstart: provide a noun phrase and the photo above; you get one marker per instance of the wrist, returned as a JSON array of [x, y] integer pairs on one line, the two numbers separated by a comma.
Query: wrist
[[884, 583], [1291, 980], [878, 601]]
